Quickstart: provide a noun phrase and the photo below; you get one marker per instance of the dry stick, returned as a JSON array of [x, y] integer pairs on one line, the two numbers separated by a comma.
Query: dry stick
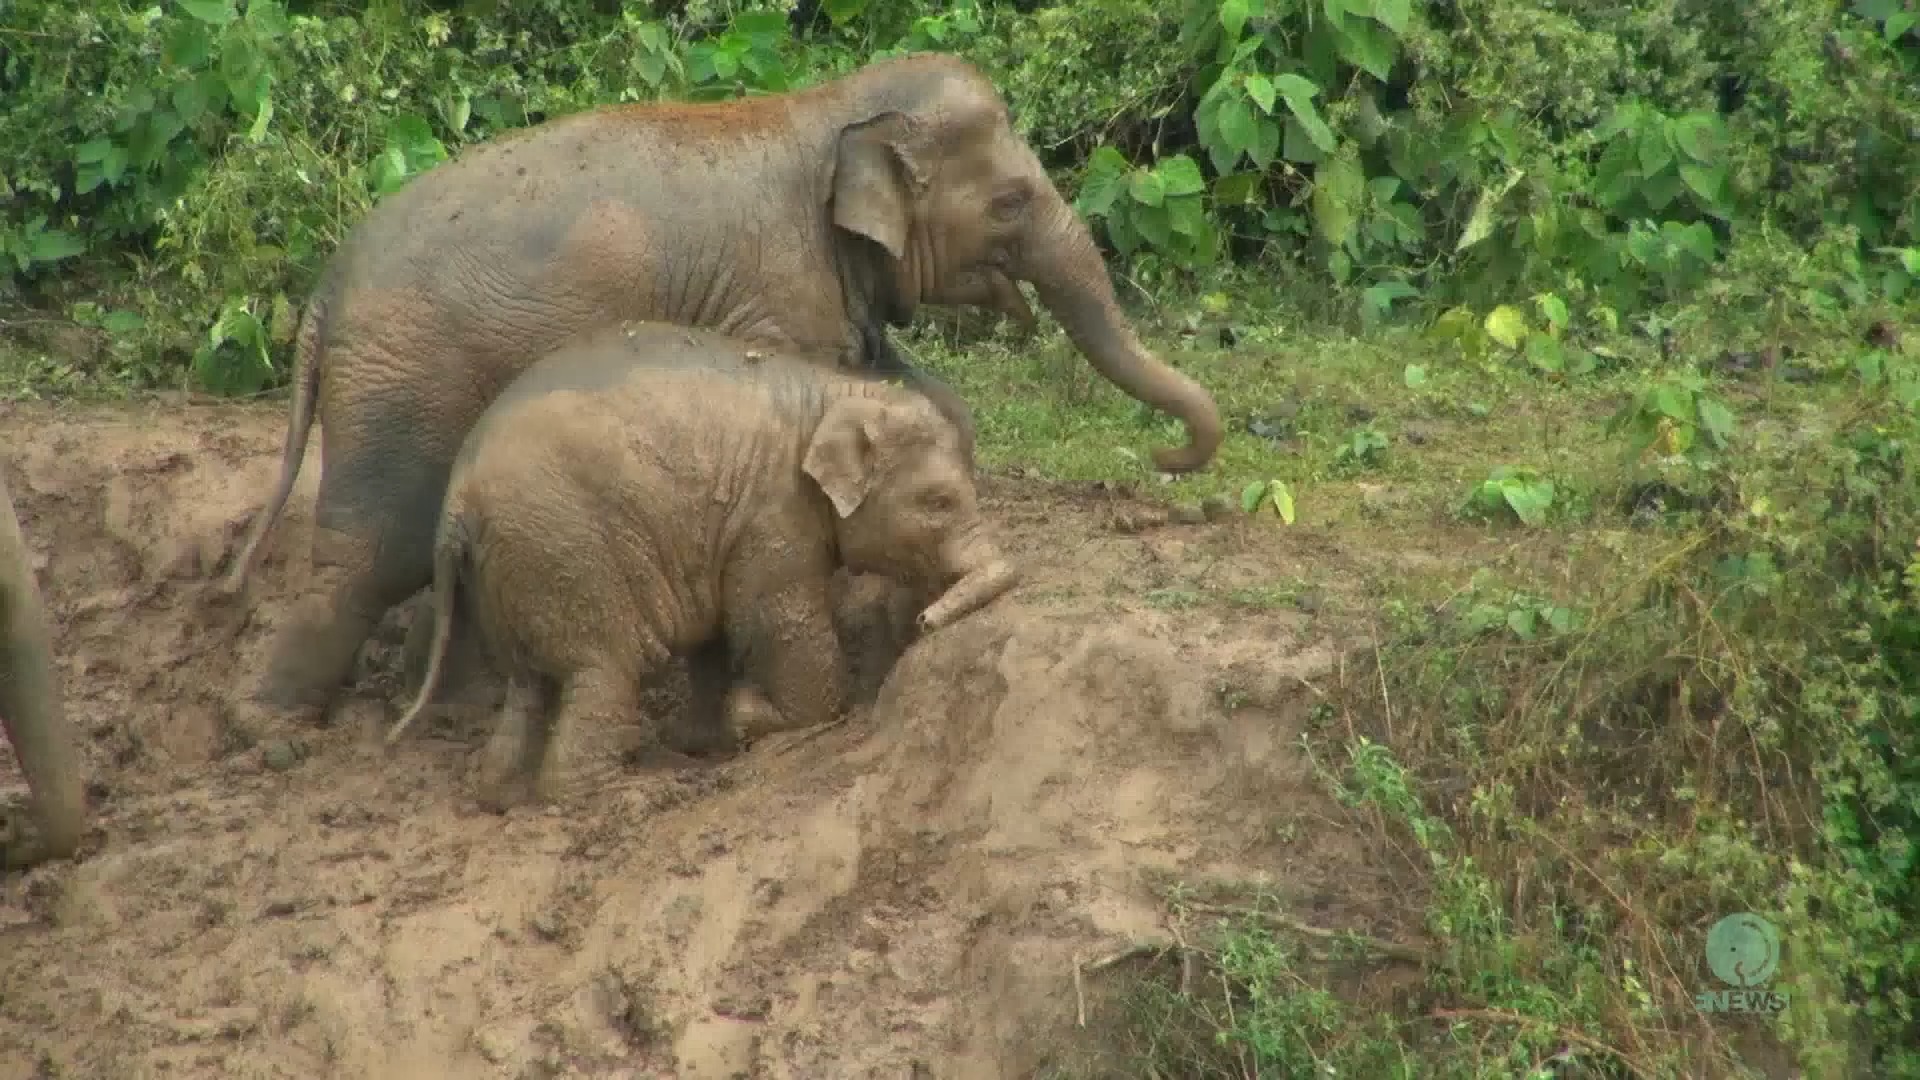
[[1080, 968], [1287, 922], [1501, 1016], [1386, 700]]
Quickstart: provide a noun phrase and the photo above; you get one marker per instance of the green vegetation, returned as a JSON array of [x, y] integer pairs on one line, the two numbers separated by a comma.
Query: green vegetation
[[1629, 276]]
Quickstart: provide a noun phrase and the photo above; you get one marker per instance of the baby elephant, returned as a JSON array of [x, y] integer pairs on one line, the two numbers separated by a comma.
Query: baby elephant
[[656, 490]]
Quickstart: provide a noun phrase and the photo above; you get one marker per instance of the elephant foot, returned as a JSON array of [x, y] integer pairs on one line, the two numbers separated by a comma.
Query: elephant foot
[[24, 844]]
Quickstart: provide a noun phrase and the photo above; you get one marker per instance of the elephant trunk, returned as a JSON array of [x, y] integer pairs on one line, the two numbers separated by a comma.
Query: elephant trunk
[[978, 575], [30, 707], [1070, 276]]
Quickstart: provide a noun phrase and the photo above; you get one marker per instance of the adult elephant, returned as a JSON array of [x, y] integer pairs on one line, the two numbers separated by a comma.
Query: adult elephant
[[30, 708], [805, 221]]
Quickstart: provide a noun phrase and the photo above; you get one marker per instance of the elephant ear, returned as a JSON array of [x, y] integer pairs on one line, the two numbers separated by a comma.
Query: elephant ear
[[842, 456], [875, 180]]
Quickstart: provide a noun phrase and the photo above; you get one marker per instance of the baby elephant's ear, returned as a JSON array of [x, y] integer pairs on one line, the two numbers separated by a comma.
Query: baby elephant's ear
[[841, 456]]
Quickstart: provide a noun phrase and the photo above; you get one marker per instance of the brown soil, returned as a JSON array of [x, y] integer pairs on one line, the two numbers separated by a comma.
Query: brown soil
[[898, 895]]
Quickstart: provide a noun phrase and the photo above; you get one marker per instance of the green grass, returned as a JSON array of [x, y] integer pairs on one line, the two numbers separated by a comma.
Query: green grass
[[1615, 724]]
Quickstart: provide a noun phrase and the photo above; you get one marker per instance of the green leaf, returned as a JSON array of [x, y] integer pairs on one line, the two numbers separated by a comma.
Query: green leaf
[[1154, 224], [261, 118], [1236, 123], [1102, 183], [1393, 14], [1299, 93], [1251, 494], [1368, 47], [1716, 418], [1146, 188], [1188, 216], [92, 151], [1656, 153], [1233, 18], [1383, 188], [1266, 143], [1896, 27], [1282, 500], [1260, 89], [52, 245], [1506, 325], [1522, 621], [211, 12], [1338, 188], [843, 11], [190, 100], [1708, 182], [1414, 376], [1180, 175], [1545, 353], [1238, 189], [1480, 223], [122, 322], [1554, 308], [1700, 136], [1529, 499], [1697, 240], [1673, 401]]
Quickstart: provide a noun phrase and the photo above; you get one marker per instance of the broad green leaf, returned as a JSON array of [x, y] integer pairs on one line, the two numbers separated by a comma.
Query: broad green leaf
[[1338, 188], [1700, 136], [1250, 495], [1523, 621], [1260, 89], [263, 117], [52, 245], [1554, 308], [188, 45], [1298, 94], [1146, 188], [1153, 223], [1480, 223], [1298, 146], [1716, 418], [1188, 216], [1233, 17], [1506, 325], [211, 12], [122, 322], [1101, 184], [1367, 46], [1673, 402], [1393, 14], [92, 151], [1236, 121], [1708, 182], [1237, 189], [1544, 352], [1282, 500], [843, 11], [1414, 376], [1896, 27], [1180, 175], [1656, 153], [1266, 142], [1384, 188], [1697, 240]]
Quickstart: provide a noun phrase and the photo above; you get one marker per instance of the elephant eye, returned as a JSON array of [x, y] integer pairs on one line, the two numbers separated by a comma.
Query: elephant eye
[[936, 502], [1008, 203]]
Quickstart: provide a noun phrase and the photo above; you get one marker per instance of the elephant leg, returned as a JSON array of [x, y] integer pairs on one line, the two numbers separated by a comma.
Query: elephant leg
[[31, 710], [598, 698], [702, 726], [796, 673], [515, 747], [372, 549]]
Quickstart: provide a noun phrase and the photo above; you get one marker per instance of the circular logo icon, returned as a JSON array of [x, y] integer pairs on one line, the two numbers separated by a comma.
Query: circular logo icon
[[1743, 950]]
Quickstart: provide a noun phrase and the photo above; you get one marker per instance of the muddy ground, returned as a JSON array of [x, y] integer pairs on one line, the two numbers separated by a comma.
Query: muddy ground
[[902, 894]]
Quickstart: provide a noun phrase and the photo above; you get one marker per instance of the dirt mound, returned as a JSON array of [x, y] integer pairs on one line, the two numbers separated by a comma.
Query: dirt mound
[[899, 894]]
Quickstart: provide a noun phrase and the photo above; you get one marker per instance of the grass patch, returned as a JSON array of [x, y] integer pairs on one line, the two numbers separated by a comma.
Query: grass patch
[[1634, 676]]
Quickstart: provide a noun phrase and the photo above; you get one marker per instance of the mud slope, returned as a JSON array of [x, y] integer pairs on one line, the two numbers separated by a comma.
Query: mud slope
[[897, 895]]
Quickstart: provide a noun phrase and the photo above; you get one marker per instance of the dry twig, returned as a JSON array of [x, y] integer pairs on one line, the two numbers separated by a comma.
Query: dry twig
[[1287, 922], [1501, 1016]]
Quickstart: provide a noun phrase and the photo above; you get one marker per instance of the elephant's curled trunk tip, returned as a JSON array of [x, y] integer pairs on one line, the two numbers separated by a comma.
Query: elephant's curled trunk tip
[[968, 595]]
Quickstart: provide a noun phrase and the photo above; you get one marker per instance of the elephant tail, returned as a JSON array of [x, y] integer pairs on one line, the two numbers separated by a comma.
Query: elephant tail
[[308, 343], [449, 555]]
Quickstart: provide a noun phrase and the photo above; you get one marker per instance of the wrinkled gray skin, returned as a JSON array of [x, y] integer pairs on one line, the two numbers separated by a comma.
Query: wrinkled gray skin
[[804, 222], [30, 707], [655, 491]]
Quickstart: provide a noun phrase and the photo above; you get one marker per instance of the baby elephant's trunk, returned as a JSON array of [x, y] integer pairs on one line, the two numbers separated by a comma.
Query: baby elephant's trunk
[[984, 574]]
